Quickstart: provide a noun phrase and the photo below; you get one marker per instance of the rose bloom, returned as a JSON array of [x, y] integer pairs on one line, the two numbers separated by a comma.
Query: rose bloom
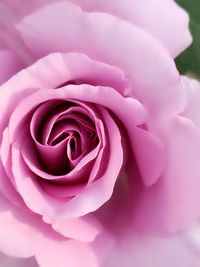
[[97, 142]]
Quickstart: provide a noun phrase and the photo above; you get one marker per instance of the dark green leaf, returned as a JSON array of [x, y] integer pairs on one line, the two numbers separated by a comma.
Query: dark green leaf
[[189, 61]]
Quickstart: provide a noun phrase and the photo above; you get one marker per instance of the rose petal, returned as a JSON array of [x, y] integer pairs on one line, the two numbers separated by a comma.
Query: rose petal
[[85, 229], [165, 20], [7, 261], [70, 252], [147, 64], [8, 190], [139, 250], [46, 245], [9, 65], [12, 224], [147, 148], [192, 90], [175, 196], [6, 185], [74, 176]]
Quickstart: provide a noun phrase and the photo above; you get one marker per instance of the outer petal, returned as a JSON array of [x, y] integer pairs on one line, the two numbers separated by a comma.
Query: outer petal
[[145, 62], [138, 250], [6, 261], [16, 230], [165, 20], [49, 248], [9, 37], [192, 108], [9, 65], [83, 229], [68, 253], [173, 202]]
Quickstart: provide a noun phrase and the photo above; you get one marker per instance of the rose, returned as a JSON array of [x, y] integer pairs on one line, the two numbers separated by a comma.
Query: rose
[[115, 123]]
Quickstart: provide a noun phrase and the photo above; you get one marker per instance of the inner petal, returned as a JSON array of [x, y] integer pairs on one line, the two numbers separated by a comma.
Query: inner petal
[[73, 147], [63, 135], [61, 130], [45, 117]]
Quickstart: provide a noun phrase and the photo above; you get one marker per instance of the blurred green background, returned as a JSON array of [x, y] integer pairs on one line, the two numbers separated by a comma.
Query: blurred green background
[[189, 61]]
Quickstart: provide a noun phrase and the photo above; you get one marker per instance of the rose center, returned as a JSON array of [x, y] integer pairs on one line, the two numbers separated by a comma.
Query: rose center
[[64, 134]]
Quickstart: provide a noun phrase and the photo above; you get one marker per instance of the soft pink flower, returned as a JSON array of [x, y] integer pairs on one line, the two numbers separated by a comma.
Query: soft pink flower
[[92, 137]]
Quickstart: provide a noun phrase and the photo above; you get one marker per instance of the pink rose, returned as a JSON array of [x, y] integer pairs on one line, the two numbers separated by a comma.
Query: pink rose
[[93, 142]]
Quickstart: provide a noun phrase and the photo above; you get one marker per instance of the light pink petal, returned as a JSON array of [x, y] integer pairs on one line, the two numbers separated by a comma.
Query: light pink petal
[[16, 229], [9, 65], [8, 190], [6, 184], [85, 228], [139, 250], [173, 201], [192, 108], [102, 246], [170, 28], [5, 152], [145, 62], [10, 39], [51, 253], [165, 20], [12, 11], [7, 261], [149, 155]]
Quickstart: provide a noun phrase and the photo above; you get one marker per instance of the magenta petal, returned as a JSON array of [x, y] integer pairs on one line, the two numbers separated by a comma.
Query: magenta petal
[[75, 175], [102, 188], [63, 190]]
